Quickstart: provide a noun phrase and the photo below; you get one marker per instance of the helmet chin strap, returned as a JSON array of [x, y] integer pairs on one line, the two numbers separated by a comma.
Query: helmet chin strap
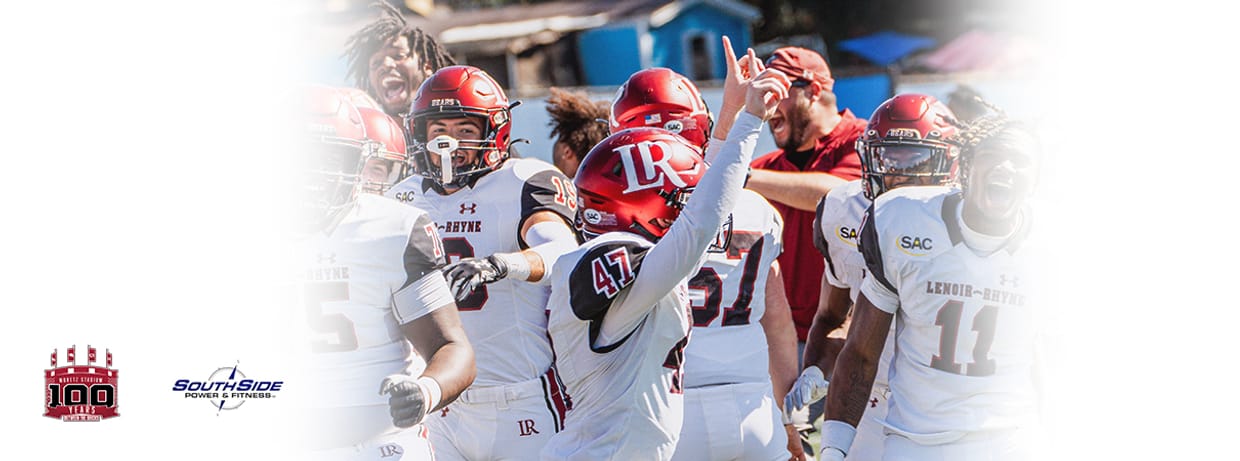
[[444, 146]]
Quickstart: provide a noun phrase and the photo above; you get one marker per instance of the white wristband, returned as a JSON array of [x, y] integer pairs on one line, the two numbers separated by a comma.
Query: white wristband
[[838, 435], [518, 266], [430, 390]]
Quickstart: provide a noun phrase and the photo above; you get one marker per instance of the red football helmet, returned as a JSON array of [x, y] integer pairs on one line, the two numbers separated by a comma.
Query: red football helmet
[[336, 135], [634, 178], [458, 91], [662, 98], [386, 161], [360, 99], [910, 137]]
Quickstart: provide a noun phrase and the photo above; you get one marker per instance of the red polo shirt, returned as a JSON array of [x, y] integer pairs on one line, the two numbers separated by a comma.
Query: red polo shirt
[[802, 265]]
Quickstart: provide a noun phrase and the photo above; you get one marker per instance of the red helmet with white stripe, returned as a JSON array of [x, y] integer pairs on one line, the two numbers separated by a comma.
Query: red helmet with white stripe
[[386, 161], [335, 134], [637, 181], [909, 140], [662, 98], [451, 92]]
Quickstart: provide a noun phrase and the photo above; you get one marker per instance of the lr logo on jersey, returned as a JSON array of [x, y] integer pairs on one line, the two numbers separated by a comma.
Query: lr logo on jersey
[[81, 393], [653, 171]]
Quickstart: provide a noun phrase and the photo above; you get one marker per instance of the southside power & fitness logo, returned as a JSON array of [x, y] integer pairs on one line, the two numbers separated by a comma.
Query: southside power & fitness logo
[[227, 388]]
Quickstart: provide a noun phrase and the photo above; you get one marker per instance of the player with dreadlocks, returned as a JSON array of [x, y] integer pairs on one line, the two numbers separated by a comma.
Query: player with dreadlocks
[[951, 268], [910, 140], [389, 59], [578, 124]]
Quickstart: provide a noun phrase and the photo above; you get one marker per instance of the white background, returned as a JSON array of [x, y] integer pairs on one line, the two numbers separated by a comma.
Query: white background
[[137, 189], [137, 216]]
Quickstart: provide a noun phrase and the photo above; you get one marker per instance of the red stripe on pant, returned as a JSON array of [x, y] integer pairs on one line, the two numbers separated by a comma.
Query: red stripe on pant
[[559, 400]]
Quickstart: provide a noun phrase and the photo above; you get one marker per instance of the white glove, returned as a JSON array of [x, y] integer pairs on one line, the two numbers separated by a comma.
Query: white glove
[[810, 387], [831, 454], [406, 399]]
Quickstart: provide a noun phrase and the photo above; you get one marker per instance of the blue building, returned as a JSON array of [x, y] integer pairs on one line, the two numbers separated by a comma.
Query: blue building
[[682, 35], [597, 42]]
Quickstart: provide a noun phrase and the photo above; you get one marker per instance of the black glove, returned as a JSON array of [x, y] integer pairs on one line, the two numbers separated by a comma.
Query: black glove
[[466, 275], [406, 402]]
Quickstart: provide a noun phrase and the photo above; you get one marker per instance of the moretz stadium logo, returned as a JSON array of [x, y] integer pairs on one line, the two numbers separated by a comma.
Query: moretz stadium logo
[[227, 388], [80, 393]]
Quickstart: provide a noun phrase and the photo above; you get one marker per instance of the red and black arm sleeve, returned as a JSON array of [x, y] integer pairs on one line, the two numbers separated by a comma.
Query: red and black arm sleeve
[[598, 277], [547, 190], [424, 251]]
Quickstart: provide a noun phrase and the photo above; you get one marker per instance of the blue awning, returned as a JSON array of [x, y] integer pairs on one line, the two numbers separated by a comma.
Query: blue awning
[[885, 47]]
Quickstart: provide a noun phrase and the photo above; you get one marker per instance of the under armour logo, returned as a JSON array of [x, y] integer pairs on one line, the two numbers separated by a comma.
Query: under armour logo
[[443, 413], [1005, 280], [472, 208], [390, 450], [873, 402], [327, 258], [527, 427]]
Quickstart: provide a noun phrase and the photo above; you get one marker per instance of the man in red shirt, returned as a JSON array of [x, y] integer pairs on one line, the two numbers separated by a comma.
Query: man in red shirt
[[816, 153]]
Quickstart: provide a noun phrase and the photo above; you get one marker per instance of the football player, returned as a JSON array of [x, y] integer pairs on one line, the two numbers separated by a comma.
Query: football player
[[743, 351], [949, 266], [372, 287], [389, 59], [620, 315], [503, 222], [909, 141]]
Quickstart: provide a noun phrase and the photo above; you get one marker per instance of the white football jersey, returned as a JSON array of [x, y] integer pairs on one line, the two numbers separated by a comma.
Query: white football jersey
[[965, 322], [627, 396], [728, 298], [352, 271], [837, 230], [506, 321], [620, 321]]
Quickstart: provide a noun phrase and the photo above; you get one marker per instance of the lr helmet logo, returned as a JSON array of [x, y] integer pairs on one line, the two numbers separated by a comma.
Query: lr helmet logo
[[648, 177], [81, 393]]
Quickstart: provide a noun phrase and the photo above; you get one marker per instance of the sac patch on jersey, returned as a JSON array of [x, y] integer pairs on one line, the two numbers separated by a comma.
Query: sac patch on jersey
[[837, 230]]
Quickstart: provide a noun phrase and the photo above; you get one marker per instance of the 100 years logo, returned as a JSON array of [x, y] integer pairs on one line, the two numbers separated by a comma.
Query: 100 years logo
[[81, 393]]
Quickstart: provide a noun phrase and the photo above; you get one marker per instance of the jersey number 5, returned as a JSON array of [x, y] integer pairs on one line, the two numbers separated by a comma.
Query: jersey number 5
[[333, 332]]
